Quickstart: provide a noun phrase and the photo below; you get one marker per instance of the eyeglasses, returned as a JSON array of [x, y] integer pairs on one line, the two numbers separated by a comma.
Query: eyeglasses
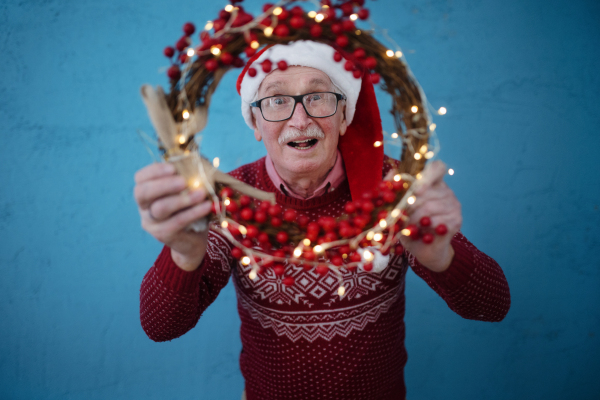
[[316, 105]]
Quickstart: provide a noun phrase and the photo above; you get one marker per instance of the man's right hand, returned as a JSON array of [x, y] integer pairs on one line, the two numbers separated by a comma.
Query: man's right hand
[[167, 209]]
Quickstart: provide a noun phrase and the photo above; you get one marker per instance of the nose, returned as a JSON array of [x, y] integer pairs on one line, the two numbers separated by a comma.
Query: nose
[[300, 119]]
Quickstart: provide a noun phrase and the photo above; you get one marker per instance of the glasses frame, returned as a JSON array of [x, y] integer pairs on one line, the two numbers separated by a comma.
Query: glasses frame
[[297, 99]]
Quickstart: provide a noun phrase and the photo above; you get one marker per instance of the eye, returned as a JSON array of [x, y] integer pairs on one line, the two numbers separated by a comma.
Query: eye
[[314, 97], [278, 101]]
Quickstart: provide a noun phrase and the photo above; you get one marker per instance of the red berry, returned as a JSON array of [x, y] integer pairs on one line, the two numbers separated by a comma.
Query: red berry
[[303, 221], [169, 51], [204, 36], [251, 231], [282, 30], [337, 261], [284, 14], [212, 64], [238, 62], [313, 228], [375, 78], [279, 253], [289, 215], [316, 31], [425, 221], [297, 11], [226, 192], [341, 41], [347, 8], [331, 236], [226, 58], [282, 65], [350, 207], [279, 269], [381, 215], [344, 249], [441, 229], [357, 74], [224, 15], [389, 196], [427, 238], [363, 13], [266, 22], [370, 63], [251, 72], [355, 257], [249, 53], [266, 7], [368, 267], [346, 231], [312, 236], [265, 205], [232, 207], [309, 255], [288, 281], [348, 65], [337, 57], [174, 72], [247, 243], [282, 237], [297, 22], [263, 238], [399, 249], [367, 206], [266, 66], [414, 231], [245, 201], [276, 221], [246, 214], [189, 29], [219, 24], [260, 216], [182, 43], [348, 25], [275, 210], [360, 53], [328, 13], [328, 223], [326, 3], [237, 252], [337, 28], [398, 186], [322, 269]]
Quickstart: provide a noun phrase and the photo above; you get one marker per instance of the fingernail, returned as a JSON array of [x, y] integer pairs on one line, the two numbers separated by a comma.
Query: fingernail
[[197, 195]]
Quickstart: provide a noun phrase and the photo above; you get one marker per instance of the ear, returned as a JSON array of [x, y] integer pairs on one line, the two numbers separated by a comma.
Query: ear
[[344, 124], [257, 134]]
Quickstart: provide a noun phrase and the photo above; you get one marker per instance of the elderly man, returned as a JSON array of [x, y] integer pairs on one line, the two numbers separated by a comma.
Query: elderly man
[[304, 341]]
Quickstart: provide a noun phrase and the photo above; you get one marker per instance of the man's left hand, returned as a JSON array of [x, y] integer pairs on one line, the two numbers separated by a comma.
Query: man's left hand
[[434, 199]]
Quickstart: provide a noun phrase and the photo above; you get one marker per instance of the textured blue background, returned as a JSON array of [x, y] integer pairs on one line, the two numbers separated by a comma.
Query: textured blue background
[[521, 82]]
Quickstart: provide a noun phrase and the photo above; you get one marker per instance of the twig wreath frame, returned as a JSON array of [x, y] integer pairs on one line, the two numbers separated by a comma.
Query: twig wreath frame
[[264, 235]]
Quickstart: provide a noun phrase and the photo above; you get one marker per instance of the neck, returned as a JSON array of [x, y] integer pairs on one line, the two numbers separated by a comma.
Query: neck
[[304, 185]]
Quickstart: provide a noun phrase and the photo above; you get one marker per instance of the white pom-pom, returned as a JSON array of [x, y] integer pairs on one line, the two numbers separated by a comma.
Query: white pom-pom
[[373, 255]]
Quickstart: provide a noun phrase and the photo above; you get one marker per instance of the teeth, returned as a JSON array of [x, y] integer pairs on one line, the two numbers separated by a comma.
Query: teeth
[[303, 141]]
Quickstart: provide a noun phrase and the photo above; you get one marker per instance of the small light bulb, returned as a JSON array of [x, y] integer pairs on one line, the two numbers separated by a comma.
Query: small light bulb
[[414, 109], [395, 213], [191, 52], [389, 53], [341, 291], [405, 185], [208, 26], [418, 176], [394, 135], [450, 171], [370, 235], [317, 249], [325, 6], [216, 162], [417, 156], [268, 31], [312, 14], [243, 230], [432, 127], [405, 232], [252, 275], [377, 237], [185, 114], [306, 242], [377, 144], [227, 202], [397, 177], [357, 32], [215, 50], [224, 224], [353, 17], [181, 139], [423, 149], [255, 45], [382, 224], [442, 111], [319, 17], [297, 252], [429, 154], [367, 255], [229, 8], [411, 200], [246, 260], [277, 11], [399, 54]]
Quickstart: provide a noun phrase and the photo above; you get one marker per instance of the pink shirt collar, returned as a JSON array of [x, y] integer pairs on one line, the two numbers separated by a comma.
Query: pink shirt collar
[[334, 178]]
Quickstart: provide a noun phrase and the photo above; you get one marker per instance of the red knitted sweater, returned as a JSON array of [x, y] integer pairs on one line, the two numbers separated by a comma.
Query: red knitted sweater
[[303, 341]]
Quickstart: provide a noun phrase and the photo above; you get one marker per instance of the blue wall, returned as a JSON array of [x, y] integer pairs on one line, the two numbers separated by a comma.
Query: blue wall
[[520, 80]]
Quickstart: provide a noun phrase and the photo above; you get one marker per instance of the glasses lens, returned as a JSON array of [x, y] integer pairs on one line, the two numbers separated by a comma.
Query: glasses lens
[[277, 108], [320, 104]]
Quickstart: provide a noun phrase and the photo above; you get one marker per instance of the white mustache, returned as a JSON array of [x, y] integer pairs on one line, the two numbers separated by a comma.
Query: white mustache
[[290, 134]]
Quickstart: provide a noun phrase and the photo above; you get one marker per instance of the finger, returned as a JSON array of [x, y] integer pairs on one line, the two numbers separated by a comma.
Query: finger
[[439, 191], [432, 174], [184, 218], [153, 171], [147, 192], [164, 207]]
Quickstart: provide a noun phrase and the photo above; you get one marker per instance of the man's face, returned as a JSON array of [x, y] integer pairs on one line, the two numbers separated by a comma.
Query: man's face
[[291, 158]]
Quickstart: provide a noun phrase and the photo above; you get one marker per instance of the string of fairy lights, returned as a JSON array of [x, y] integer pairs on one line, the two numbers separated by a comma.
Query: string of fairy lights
[[386, 231]]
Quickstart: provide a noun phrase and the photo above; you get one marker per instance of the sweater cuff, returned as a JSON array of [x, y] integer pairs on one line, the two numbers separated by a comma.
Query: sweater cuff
[[174, 277], [460, 270]]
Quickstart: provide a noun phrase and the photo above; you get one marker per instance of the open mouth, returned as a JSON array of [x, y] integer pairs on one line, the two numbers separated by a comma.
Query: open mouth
[[303, 144]]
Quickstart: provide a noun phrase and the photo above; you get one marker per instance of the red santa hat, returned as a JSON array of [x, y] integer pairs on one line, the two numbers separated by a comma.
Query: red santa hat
[[363, 161]]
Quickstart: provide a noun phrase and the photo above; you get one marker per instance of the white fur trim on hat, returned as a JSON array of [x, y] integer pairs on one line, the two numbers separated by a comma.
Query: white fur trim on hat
[[305, 54]]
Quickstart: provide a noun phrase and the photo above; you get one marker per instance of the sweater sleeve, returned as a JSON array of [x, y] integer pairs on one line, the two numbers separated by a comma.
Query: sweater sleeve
[[473, 286], [172, 300]]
